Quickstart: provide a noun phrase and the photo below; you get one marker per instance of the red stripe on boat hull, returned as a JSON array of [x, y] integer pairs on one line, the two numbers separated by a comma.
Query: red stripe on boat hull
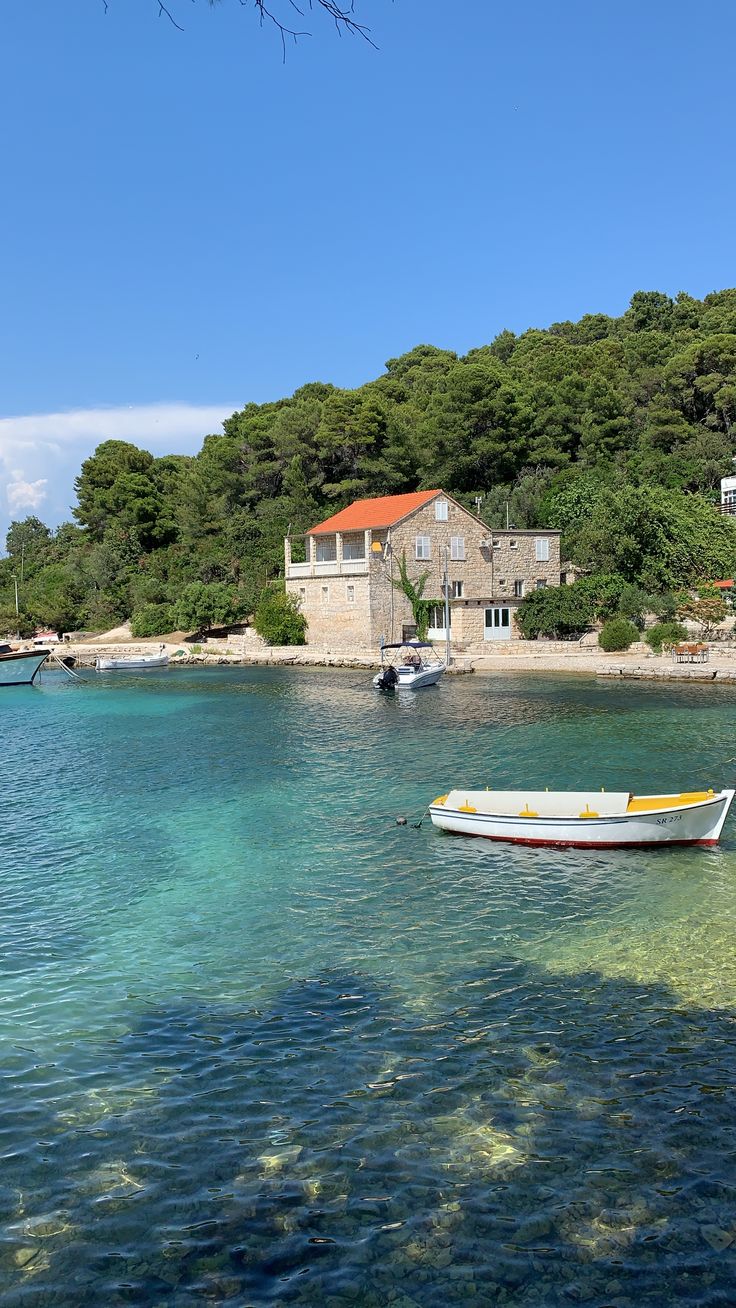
[[582, 844]]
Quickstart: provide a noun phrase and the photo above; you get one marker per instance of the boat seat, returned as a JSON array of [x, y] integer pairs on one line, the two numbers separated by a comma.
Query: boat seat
[[667, 801]]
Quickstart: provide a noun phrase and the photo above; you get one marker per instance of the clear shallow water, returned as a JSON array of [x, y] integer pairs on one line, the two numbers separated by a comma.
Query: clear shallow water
[[259, 1045]]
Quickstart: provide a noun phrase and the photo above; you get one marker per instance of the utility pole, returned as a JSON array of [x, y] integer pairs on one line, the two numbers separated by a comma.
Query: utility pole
[[15, 579], [389, 551], [448, 655]]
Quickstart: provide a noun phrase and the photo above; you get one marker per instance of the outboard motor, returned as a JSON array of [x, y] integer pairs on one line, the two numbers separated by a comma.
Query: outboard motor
[[389, 678]]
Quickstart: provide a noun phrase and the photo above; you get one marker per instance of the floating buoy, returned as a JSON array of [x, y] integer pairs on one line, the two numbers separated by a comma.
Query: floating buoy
[[401, 821]]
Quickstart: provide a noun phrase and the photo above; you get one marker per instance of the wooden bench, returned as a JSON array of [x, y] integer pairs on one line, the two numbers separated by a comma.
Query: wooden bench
[[690, 653]]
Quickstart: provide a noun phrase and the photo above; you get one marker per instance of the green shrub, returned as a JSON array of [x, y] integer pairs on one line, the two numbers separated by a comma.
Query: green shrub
[[12, 624], [203, 605], [561, 612], [665, 633], [277, 619], [152, 620], [617, 634]]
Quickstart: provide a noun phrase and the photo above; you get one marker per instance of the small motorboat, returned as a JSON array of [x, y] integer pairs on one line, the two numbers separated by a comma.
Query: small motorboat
[[133, 663], [586, 819], [19, 667], [408, 666]]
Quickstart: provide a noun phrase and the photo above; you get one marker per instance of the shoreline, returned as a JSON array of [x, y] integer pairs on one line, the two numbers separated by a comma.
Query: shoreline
[[571, 661]]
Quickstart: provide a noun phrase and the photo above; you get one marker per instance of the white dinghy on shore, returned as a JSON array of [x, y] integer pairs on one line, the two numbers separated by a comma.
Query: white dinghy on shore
[[587, 819], [133, 663]]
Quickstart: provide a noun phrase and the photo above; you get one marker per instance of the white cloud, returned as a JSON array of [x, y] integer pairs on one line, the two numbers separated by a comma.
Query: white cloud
[[145, 424], [41, 453], [25, 494]]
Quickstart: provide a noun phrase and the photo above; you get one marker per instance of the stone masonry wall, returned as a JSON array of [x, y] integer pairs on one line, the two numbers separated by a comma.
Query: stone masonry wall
[[379, 609], [487, 573], [334, 621]]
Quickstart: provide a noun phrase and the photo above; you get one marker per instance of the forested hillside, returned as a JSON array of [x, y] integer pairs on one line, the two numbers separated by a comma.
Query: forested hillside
[[617, 430]]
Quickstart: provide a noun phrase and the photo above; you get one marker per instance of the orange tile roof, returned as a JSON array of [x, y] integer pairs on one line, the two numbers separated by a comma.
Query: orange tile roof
[[723, 585], [382, 511]]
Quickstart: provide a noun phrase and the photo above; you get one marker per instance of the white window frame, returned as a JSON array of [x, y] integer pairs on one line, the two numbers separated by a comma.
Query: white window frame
[[326, 550], [353, 550], [350, 594], [500, 616], [513, 544], [541, 549], [441, 510], [457, 549], [519, 588], [437, 611], [541, 583], [422, 543], [456, 590], [325, 594]]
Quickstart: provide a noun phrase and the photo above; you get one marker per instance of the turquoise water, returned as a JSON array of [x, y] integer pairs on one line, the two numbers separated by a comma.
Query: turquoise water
[[259, 1045]]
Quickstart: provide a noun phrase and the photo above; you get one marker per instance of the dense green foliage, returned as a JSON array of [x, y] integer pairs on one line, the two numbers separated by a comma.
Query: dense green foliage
[[665, 633], [559, 612], [617, 634], [616, 430], [152, 620], [15, 624], [202, 606], [277, 618]]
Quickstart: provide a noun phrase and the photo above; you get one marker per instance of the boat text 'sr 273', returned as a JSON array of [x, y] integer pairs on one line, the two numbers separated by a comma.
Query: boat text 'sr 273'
[[585, 819]]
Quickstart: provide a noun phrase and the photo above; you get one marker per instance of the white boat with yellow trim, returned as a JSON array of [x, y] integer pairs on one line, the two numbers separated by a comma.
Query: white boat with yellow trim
[[587, 819]]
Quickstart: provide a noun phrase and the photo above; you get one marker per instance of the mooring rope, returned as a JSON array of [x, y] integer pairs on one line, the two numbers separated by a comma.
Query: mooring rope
[[63, 665]]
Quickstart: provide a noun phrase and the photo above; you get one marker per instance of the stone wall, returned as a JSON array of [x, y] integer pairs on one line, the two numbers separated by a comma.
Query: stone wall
[[335, 621], [493, 561]]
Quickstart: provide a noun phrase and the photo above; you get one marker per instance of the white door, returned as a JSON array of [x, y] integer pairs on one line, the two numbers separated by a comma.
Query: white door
[[497, 624]]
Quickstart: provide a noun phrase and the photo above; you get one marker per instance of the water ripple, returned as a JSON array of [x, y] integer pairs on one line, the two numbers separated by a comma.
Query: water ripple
[[262, 1046]]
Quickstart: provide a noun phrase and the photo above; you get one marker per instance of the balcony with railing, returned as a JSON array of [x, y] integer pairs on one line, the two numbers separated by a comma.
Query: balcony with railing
[[336, 555]]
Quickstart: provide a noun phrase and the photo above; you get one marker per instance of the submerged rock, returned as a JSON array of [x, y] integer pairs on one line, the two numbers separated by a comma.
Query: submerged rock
[[716, 1238], [24, 1257]]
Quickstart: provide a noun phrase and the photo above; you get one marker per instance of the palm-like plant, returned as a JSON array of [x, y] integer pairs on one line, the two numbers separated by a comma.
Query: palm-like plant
[[414, 590]]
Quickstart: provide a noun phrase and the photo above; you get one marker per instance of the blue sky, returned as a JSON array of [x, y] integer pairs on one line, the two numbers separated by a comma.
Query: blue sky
[[189, 223]]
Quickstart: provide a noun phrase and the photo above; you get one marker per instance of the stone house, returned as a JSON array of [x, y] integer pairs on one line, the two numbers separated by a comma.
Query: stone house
[[343, 572]]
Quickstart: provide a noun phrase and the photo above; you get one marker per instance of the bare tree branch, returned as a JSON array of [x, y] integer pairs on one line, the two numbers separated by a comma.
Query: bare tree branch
[[342, 13], [163, 10]]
